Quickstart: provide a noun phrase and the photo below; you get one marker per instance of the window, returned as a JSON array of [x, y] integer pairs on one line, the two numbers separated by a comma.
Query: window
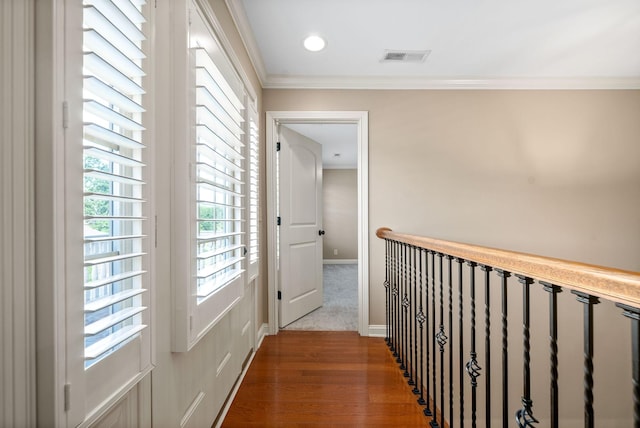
[[113, 176], [107, 203], [254, 190], [211, 259], [219, 185]]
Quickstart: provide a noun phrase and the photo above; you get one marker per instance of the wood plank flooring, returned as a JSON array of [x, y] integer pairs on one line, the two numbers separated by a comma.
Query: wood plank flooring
[[324, 379]]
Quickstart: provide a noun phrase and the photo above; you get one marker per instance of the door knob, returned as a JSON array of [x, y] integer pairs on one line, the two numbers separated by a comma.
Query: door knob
[[321, 232]]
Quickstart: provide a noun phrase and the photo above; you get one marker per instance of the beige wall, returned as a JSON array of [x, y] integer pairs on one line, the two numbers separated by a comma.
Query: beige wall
[[340, 215], [555, 173]]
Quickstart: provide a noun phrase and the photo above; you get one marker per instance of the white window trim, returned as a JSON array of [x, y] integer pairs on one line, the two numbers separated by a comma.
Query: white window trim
[[17, 290]]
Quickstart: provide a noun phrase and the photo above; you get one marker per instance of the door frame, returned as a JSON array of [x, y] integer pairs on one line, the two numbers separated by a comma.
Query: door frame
[[361, 120]]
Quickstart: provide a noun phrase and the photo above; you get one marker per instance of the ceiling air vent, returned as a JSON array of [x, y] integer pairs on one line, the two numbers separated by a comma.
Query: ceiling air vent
[[405, 56]]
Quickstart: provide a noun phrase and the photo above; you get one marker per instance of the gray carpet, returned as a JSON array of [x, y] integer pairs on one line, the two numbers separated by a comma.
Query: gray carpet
[[340, 309]]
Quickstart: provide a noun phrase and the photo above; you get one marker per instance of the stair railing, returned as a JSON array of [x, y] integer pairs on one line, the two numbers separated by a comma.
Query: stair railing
[[421, 272]]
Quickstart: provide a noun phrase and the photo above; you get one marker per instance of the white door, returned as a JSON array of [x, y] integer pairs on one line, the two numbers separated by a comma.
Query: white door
[[300, 226]]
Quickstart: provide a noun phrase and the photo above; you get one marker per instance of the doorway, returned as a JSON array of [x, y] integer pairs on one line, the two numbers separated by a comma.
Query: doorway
[[292, 118]]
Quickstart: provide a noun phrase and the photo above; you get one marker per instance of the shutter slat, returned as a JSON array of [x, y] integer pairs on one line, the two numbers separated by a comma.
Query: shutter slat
[[209, 110], [212, 170], [111, 320], [202, 238], [214, 140], [97, 87], [110, 197], [207, 81], [102, 346], [110, 137], [91, 149], [218, 267], [204, 60], [113, 238], [121, 21], [94, 19], [94, 42], [96, 305], [216, 187], [102, 175], [111, 75], [218, 251], [111, 116], [110, 259], [206, 152], [208, 287], [112, 279]]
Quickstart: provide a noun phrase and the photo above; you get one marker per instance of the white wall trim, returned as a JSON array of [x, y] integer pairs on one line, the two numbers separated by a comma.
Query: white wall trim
[[361, 119], [377, 330], [263, 331], [236, 9], [340, 261], [17, 276], [409, 82]]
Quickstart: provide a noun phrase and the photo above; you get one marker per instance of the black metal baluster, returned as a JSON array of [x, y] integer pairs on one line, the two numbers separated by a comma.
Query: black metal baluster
[[487, 343], [387, 335], [414, 307], [442, 340], [524, 416], [634, 314], [588, 301], [421, 317], [395, 299], [392, 281], [405, 307], [427, 410], [450, 296], [401, 330], [434, 421], [473, 369], [399, 308], [505, 349], [461, 339], [553, 291]]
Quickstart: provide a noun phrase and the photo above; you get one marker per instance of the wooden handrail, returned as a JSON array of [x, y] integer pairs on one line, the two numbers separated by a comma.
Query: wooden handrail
[[617, 285]]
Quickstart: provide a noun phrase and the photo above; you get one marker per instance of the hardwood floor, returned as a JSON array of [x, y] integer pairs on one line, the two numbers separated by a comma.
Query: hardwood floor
[[324, 379]]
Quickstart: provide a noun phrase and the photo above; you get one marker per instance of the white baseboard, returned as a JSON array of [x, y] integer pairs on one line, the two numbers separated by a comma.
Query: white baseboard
[[262, 332], [340, 261], [377, 330]]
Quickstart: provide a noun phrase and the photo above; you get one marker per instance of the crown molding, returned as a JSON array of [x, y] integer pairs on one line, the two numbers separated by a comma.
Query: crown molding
[[400, 83], [239, 16]]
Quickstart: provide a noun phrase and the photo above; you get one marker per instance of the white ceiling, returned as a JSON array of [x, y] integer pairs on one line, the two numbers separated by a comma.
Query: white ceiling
[[490, 43], [335, 138]]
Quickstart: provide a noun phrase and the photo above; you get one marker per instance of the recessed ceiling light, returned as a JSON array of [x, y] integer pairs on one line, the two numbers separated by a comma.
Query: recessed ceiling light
[[314, 43]]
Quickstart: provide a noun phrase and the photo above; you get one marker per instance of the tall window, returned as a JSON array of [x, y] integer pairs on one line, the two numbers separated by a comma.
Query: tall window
[[210, 196], [219, 178], [114, 171], [254, 191]]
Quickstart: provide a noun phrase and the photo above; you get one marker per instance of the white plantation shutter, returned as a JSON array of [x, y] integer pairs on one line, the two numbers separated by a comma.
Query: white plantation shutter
[[209, 194], [114, 170], [254, 180], [218, 179]]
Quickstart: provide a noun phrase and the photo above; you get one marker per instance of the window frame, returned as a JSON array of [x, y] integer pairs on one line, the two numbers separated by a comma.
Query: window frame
[[90, 391], [253, 156], [192, 320]]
